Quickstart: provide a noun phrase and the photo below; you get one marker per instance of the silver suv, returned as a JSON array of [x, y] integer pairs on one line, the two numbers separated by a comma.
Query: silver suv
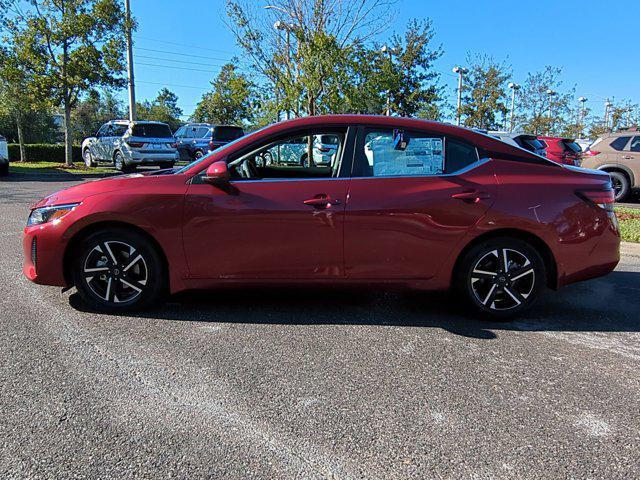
[[128, 144]]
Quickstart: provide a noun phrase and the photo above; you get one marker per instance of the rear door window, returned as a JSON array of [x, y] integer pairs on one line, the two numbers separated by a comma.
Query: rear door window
[[227, 134], [532, 143], [635, 144], [151, 130], [619, 143]]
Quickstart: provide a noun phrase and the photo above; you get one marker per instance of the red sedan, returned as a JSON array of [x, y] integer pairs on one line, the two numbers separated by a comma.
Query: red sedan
[[393, 201]]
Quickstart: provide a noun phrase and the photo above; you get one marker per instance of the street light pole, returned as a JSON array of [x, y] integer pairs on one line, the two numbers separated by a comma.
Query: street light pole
[[551, 94], [607, 106], [583, 113], [514, 87], [132, 83], [390, 52], [461, 71]]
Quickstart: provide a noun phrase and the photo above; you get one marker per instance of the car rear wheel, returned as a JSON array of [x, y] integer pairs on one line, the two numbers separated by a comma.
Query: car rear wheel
[[120, 165], [620, 184], [88, 158], [117, 270], [501, 277], [198, 154]]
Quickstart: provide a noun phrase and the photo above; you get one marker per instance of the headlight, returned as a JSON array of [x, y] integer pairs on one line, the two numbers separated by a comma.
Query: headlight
[[50, 214]]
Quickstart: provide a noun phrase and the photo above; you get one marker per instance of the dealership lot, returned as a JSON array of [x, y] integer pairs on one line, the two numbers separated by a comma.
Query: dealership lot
[[314, 383]]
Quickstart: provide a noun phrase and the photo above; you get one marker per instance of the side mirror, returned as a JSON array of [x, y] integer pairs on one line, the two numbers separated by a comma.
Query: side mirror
[[217, 174]]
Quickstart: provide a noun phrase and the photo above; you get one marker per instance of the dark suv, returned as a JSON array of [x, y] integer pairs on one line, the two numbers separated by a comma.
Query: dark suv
[[198, 139]]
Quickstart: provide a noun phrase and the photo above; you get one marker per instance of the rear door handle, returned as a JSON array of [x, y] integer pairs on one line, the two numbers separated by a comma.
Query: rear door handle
[[471, 197], [321, 201], [627, 157]]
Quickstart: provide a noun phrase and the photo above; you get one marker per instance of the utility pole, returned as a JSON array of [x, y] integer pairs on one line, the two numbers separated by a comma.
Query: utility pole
[[132, 83], [514, 87], [583, 113], [461, 71]]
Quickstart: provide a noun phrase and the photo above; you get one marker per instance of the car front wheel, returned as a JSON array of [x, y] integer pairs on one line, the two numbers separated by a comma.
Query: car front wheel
[[501, 277], [88, 158], [117, 270]]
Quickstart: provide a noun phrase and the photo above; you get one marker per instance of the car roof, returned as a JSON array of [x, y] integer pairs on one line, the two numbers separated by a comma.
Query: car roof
[[137, 122], [481, 140]]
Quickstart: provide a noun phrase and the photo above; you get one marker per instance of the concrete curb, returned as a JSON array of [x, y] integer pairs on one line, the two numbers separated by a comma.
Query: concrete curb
[[630, 249]]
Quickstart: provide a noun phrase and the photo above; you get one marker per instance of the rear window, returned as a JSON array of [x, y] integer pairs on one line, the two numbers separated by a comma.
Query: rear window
[[532, 143], [227, 134], [572, 146], [619, 143], [151, 130]]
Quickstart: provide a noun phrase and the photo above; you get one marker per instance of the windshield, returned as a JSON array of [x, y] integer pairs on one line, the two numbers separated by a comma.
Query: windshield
[[151, 130], [226, 134], [216, 151]]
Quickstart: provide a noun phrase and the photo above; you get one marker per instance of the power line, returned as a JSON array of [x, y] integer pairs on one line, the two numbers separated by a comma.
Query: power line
[[174, 67], [183, 54], [180, 61], [184, 45], [164, 84]]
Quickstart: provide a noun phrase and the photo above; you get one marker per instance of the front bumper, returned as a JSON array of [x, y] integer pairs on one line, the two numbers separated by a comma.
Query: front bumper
[[43, 247]]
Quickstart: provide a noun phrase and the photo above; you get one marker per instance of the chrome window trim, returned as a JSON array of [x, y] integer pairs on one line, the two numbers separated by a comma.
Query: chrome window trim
[[468, 168]]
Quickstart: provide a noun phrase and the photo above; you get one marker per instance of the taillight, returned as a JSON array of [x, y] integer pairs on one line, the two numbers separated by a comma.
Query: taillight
[[603, 198], [135, 144]]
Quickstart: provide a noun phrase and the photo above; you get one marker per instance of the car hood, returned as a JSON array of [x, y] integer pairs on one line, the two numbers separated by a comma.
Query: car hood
[[78, 193]]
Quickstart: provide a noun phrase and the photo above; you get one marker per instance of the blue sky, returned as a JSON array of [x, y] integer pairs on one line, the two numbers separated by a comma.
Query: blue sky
[[595, 42]]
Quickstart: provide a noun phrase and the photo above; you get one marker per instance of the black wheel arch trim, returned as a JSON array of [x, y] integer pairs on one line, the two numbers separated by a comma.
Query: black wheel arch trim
[[622, 168]]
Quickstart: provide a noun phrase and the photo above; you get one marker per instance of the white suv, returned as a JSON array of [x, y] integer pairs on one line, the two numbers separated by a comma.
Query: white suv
[[128, 144], [4, 157]]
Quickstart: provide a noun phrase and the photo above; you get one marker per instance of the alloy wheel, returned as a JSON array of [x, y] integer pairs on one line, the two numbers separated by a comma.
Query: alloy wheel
[[118, 161], [88, 160], [116, 272], [503, 279]]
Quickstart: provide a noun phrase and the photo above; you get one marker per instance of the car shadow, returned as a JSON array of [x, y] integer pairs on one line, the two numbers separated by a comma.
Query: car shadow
[[609, 304]]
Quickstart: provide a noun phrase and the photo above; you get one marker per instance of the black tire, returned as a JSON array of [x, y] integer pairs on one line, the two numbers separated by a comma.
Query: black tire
[[4, 169], [497, 295], [88, 158], [165, 165], [621, 185], [198, 154], [136, 280], [118, 162]]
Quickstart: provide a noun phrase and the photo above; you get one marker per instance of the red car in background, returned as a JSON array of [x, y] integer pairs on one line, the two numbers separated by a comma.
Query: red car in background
[[401, 202], [562, 150]]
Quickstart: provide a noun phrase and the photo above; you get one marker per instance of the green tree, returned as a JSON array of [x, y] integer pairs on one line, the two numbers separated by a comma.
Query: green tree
[[164, 108], [70, 47], [544, 113], [406, 72], [232, 100], [92, 111], [307, 52], [16, 93], [485, 93]]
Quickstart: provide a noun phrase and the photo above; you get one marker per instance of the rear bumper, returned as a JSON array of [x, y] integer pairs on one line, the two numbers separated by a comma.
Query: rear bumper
[[151, 158], [594, 258]]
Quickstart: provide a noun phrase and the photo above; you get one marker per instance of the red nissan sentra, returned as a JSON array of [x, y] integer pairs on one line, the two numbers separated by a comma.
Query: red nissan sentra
[[335, 199]]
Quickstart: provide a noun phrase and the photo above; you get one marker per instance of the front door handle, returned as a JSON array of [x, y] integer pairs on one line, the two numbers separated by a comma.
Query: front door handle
[[627, 157], [471, 197], [321, 201]]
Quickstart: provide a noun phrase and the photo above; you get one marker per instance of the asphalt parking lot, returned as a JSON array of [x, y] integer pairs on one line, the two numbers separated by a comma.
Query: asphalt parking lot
[[314, 383]]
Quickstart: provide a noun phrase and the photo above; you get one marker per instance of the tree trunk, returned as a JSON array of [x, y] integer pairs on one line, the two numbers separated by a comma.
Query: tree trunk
[[23, 150], [68, 137]]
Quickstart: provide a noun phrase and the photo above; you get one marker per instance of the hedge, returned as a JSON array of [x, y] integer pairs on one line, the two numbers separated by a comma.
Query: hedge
[[43, 152]]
